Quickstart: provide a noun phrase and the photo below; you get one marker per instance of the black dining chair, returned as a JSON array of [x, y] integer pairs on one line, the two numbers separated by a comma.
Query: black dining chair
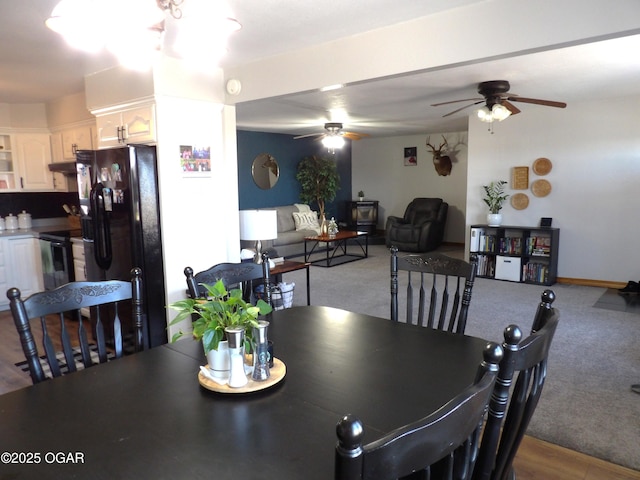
[[441, 445], [435, 281], [525, 361], [111, 306], [233, 275]]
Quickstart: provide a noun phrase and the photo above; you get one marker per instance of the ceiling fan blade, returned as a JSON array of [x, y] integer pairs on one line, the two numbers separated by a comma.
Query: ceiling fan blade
[[308, 135], [455, 101], [462, 108], [536, 101], [511, 107], [354, 135]]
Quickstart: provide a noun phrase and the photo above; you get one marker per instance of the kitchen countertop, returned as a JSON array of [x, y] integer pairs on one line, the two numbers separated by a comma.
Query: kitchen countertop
[[37, 229]]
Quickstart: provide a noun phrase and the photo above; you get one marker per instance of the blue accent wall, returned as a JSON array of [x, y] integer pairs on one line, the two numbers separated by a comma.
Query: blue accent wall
[[288, 152]]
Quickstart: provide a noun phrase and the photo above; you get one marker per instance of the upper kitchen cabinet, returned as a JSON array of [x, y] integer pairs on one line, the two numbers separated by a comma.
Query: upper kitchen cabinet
[[32, 156], [79, 138], [7, 175], [24, 162], [126, 126]]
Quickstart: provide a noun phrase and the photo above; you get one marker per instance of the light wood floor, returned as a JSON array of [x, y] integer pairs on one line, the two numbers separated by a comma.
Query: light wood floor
[[536, 460]]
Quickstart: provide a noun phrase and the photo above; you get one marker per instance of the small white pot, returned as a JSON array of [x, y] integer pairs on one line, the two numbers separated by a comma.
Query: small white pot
[[494, 219], [218, 361]]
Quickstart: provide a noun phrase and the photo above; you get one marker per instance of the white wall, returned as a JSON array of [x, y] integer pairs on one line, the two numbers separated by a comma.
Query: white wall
[[200, 224], [378, 169], [595, 200]]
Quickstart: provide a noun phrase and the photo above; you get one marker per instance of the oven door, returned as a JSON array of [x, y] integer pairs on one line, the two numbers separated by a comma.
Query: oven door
[[57, 261]]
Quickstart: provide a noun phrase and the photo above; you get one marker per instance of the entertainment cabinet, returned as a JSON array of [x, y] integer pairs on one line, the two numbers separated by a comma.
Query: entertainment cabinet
[[517, 254], [363, 216]]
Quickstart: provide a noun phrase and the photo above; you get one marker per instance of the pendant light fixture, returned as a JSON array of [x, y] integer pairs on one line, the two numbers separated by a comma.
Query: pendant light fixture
[[134, 30]]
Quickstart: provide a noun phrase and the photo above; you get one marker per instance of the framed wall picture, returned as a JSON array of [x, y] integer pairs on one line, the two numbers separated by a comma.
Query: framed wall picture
[[410, 156], [520, 180], [195, 161]]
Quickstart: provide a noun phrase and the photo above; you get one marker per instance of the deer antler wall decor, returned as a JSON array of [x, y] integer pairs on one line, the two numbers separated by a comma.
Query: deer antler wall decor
[[440, 161]]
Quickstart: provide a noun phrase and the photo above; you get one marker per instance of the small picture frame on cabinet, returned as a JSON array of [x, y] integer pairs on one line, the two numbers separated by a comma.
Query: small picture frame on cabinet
[[545, 221]]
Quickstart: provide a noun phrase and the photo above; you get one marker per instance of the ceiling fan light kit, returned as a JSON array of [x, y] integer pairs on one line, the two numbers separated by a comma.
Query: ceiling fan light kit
[[498, 112], [334, 136], [497, 101]]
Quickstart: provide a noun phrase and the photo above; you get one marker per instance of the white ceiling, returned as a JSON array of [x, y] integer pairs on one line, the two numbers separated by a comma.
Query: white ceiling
[[37, 66]]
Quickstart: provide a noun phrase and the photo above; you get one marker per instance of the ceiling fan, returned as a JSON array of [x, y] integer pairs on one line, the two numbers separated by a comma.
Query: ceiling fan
[[495, 93], [334, 129]]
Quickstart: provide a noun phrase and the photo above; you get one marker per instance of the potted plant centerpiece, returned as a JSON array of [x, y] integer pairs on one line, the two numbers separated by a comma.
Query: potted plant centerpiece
[[210, 316], [319, 182], [494, 198], [361, 195]]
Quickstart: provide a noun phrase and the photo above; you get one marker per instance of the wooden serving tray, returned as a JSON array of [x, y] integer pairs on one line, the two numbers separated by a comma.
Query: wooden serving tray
[[278, 372]]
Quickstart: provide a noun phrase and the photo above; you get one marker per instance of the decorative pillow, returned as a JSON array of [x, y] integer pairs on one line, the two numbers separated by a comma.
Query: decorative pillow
[[306, 221], [302, 207]]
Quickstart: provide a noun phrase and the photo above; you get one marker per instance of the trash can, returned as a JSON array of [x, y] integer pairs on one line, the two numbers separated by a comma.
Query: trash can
[[282, 295]]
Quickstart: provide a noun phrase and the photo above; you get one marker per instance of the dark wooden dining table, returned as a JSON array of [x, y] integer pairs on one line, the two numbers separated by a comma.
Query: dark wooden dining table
[[145, 416]]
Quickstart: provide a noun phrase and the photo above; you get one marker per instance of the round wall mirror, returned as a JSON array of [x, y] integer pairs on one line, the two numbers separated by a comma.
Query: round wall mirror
[[265, 171]]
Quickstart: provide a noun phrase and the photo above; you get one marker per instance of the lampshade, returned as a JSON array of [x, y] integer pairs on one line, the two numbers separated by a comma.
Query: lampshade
[[258, 225]]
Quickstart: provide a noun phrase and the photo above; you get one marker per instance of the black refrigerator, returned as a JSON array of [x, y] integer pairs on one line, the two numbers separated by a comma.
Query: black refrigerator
[[120, 218]]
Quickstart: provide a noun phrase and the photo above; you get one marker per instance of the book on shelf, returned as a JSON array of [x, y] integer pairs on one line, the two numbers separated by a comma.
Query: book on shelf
[[278, 260], [539, 246]]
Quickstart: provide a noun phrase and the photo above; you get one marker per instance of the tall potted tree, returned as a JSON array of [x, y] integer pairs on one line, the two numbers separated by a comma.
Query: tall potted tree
[[319, 181]]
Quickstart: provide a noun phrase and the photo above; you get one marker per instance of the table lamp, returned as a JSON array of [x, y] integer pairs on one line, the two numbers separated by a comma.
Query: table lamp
[[258, 225]]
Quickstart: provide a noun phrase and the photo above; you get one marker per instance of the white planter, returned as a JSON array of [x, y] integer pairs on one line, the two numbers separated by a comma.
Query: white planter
[[218, 361], [494, 219]]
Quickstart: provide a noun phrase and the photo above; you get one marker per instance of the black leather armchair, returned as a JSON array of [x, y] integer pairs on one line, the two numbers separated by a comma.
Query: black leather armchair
[[422, 227]]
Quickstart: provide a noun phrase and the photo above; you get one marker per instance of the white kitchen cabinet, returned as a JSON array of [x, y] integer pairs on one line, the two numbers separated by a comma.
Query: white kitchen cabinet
[[20, 267], [7, 173], [32, 158], [4, 279], [79, 138], [79, 269], [60, 183], [127, 126]]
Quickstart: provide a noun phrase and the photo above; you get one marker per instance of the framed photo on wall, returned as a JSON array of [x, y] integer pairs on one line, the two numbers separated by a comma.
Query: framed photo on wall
[[195, 161], [410, 156]]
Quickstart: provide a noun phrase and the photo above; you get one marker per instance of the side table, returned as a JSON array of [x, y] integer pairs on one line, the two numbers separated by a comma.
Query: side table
[[291, 266]]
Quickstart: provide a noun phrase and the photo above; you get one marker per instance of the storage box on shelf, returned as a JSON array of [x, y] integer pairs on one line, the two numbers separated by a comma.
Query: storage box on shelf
[[519, 254]]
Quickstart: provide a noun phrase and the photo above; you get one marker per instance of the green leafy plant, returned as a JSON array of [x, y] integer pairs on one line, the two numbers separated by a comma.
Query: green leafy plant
[[495, 196], [360, 194], [319, 181], [219, 310]]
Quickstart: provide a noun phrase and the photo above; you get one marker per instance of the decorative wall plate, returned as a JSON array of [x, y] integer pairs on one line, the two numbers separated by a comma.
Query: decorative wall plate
[[542, 166], [541, 188], [520, 201]]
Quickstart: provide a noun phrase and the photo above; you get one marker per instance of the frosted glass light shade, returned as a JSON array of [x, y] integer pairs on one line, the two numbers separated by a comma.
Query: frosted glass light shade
[[333, 141], [258, 225]]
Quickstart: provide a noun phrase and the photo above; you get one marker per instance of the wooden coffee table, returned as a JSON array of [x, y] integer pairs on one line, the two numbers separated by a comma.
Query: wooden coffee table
[[290, 266], [338, 254]]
